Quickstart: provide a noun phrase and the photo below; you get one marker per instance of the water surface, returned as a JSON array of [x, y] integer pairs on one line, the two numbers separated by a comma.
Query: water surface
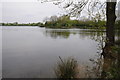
[[32, 52]]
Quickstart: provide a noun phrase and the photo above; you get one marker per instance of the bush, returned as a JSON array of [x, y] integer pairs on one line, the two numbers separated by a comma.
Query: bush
[[67, 68]]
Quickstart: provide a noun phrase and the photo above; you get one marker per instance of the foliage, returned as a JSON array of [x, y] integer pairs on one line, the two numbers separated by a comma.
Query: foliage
[[66, 22], [114, 71], [23, 24]]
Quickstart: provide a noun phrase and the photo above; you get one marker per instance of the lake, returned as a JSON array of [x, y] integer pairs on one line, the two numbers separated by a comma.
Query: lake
[[33, 52]]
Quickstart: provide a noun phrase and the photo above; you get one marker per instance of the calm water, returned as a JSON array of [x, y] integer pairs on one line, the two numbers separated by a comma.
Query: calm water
[[33, 51]]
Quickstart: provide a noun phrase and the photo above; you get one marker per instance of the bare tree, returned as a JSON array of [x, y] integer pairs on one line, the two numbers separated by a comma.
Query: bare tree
[[94, 8], [46, 19], [53, 18]]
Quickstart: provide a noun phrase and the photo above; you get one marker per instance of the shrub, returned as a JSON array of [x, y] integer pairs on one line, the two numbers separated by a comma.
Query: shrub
[[67, 68]]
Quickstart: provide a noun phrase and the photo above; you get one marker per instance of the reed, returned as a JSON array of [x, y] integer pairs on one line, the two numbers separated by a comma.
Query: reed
[[67, 68]]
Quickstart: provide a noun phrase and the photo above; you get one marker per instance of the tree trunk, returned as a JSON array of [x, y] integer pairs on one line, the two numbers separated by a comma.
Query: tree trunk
[[111, 17], [110, 39]]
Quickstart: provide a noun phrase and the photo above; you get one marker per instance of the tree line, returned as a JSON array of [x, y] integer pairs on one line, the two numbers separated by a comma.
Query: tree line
[[65, 22], [23, 24]]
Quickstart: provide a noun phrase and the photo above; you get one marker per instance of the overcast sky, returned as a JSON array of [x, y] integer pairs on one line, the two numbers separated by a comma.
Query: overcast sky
[[25, 11]]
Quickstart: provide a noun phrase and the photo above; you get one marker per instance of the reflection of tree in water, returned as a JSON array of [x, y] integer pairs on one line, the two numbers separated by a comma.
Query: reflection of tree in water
[[57, 33], [106, 65], [95, 70], [94, 35], [82, 33]]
